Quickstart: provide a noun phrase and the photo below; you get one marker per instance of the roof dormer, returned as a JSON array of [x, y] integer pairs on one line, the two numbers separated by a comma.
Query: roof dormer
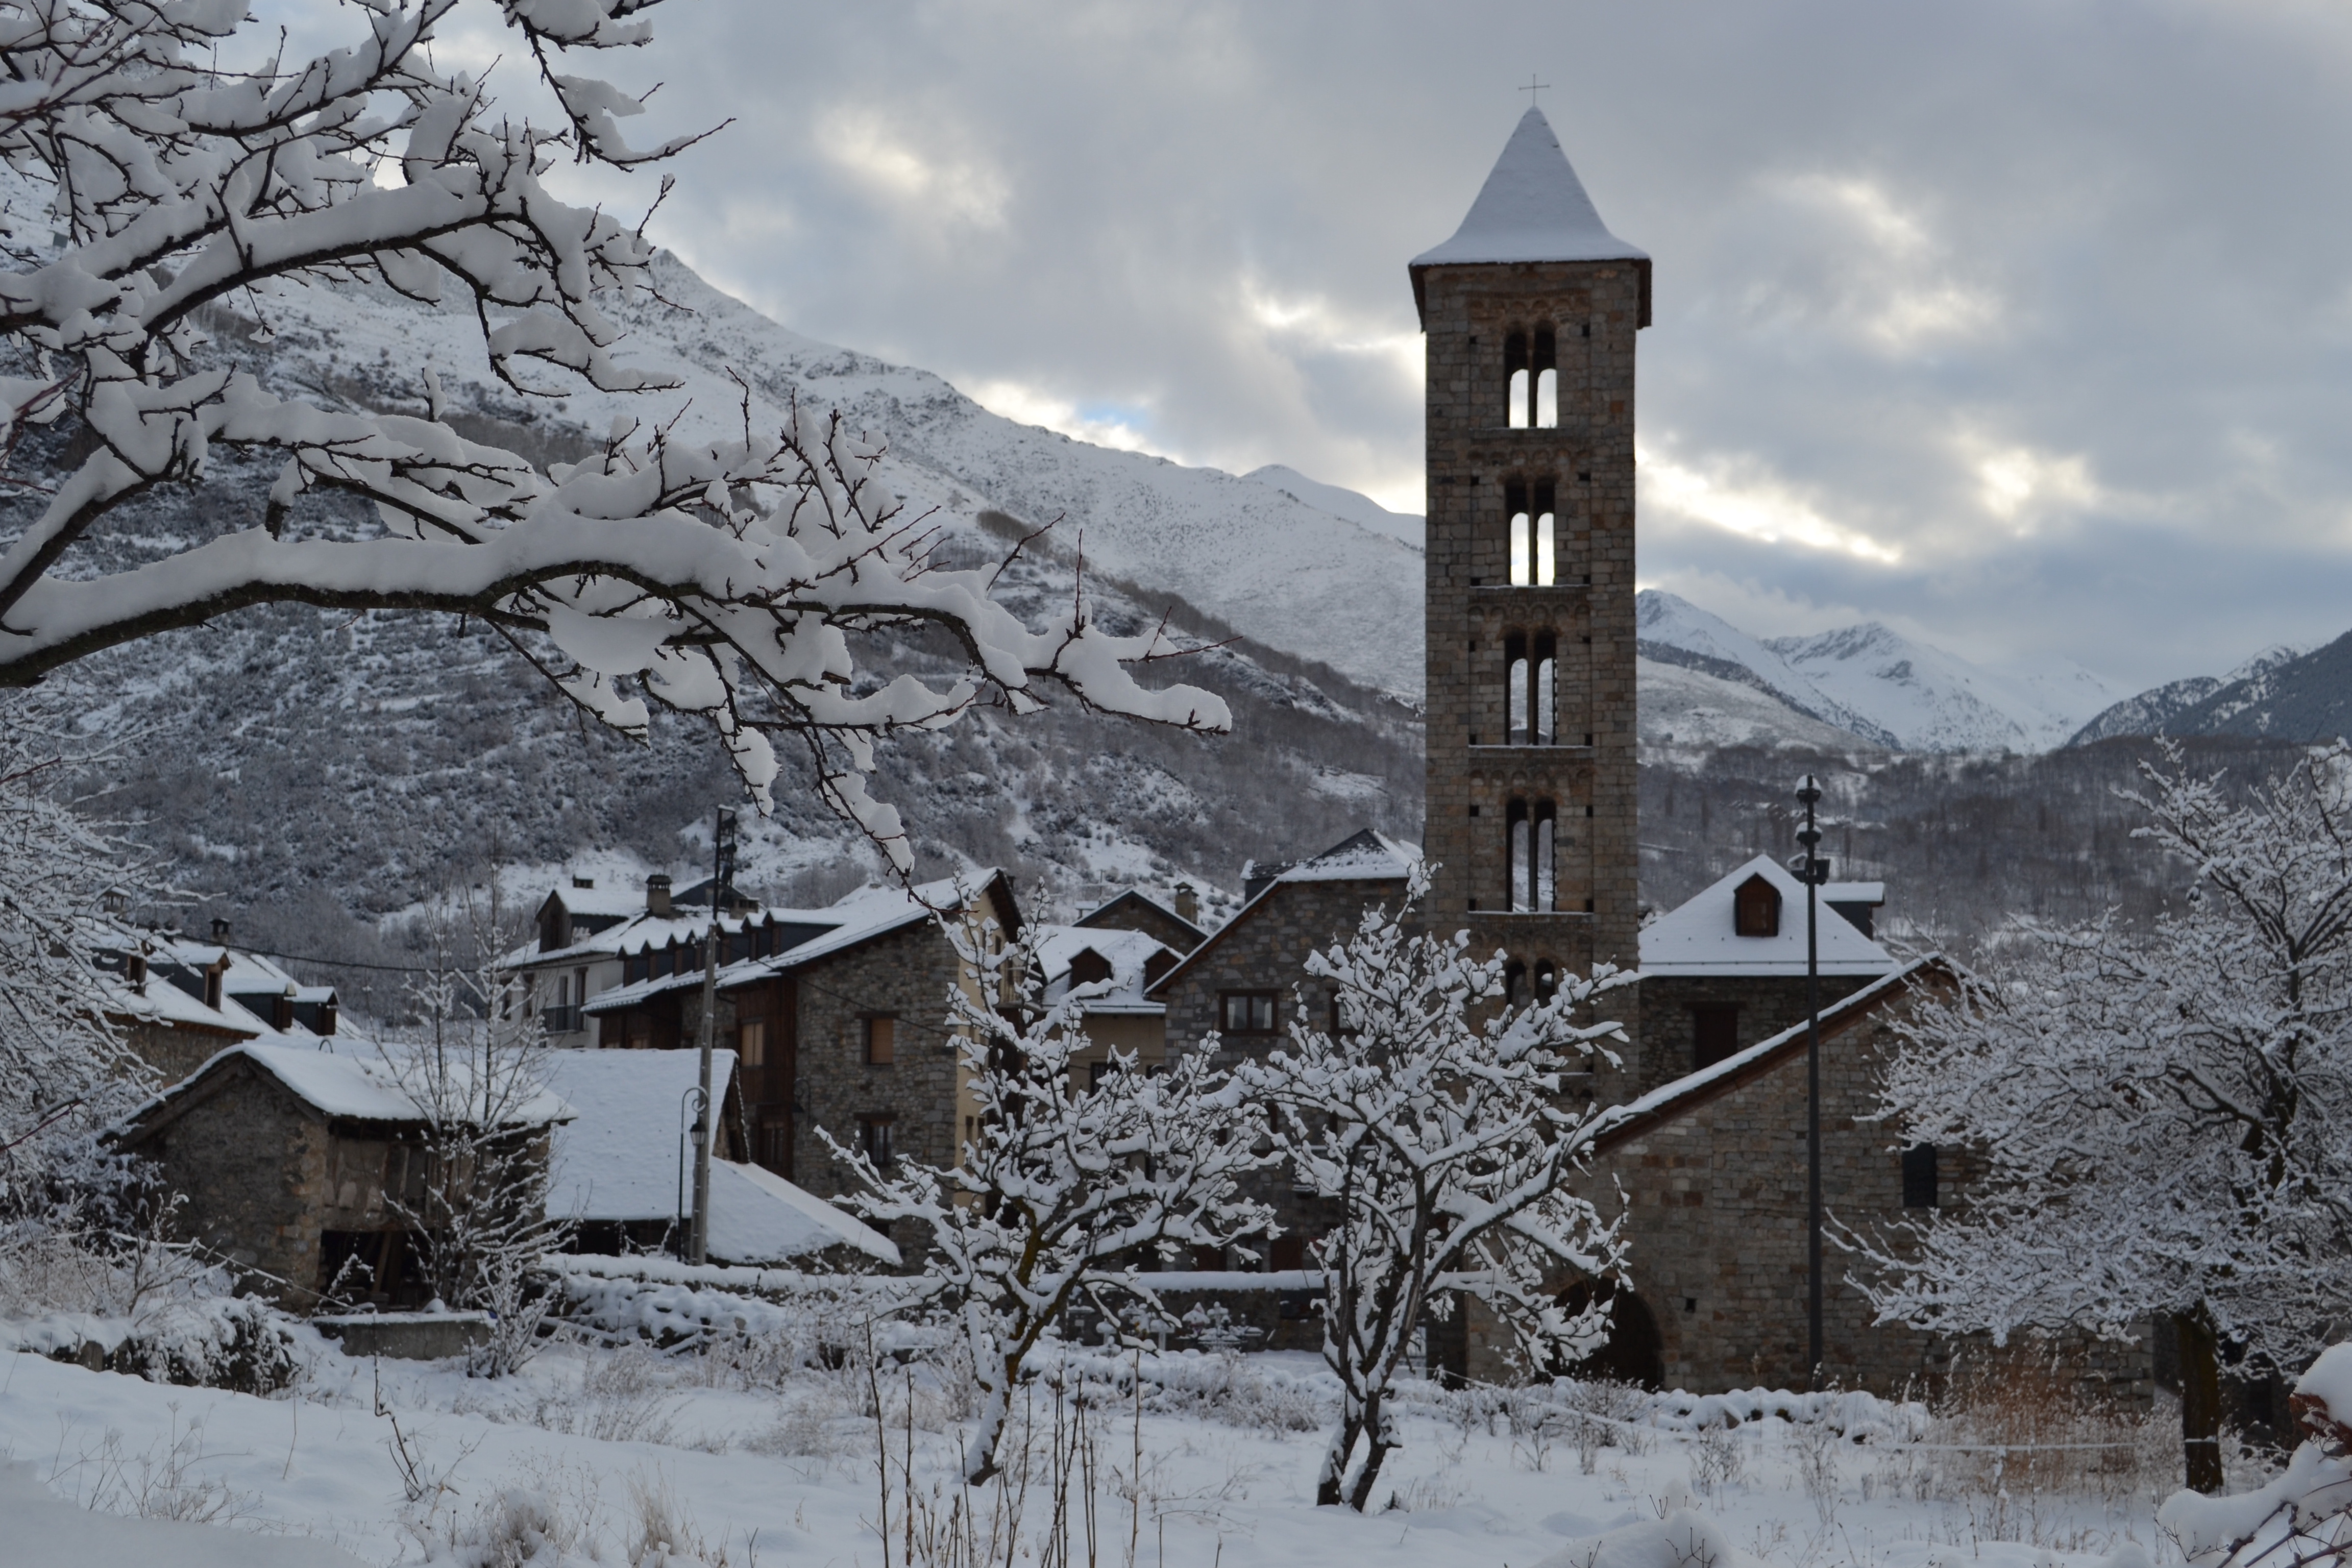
[[1756, 909]]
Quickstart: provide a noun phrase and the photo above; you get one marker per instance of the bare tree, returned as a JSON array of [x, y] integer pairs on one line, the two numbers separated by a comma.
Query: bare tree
[[477, 1072], [734, 581], [1064, 1189], [2166, 1119], [1434, 1121]]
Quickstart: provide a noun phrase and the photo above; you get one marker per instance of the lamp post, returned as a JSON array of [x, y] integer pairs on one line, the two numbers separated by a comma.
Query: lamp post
[[722, 868], [1812, 871]]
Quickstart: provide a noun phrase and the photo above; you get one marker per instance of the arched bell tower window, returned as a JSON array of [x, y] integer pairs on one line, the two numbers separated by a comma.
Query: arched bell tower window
[[1514, 983], [1534, 531], [1530, 683], [1531, 371], [1547, 980], [1529, 827]]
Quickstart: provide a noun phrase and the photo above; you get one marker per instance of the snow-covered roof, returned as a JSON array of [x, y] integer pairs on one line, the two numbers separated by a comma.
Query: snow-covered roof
[[757, 1216], [855, 918], [618, 1159], [1532, 208], [245, 978], [1700, 938], [1367, 856], [1128, 953], [348, 1083], [1670, 1100], [600, 902]]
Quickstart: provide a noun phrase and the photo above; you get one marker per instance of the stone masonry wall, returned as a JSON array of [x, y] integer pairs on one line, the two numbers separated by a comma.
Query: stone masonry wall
[[905, 975], [1591, 776], [1267, 952], [252, 1167], [1716, 1212], [1766, 1003]]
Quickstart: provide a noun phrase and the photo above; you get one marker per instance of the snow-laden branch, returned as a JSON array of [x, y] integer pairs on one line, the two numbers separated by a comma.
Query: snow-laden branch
[[1440, 1126], [2163, 1121], [735, 581], [1064, 1193]]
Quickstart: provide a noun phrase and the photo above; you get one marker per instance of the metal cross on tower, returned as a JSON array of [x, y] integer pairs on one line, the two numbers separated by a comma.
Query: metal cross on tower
[[1533, 87]]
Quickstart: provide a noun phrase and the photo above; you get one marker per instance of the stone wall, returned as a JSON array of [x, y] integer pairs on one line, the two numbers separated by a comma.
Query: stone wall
[[1766, 1003], [253, 1164], [1590, 776], [1716, 1213], [904, 975]]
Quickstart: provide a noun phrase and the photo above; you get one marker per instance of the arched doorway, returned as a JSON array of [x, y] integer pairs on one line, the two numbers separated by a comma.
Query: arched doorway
[[1635, 1353]]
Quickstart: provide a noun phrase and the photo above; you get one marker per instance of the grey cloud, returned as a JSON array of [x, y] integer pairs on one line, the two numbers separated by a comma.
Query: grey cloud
[[1906, 256]]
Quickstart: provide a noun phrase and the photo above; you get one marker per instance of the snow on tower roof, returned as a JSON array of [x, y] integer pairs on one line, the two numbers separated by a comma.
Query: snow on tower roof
[[1532, 208], [1701, 937]]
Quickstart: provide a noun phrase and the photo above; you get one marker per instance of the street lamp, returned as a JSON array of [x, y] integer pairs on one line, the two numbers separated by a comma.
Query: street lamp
[[722, 870], [1813, 870]]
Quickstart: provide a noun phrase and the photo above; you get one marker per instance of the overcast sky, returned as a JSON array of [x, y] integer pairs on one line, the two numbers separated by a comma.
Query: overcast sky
[[2026, 328]]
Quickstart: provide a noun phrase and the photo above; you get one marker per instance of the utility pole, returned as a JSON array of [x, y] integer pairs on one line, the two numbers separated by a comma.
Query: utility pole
[[722, 871], [1814, 871]]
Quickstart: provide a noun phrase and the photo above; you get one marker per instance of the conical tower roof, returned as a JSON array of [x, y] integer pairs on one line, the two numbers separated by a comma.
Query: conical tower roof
[[1532, 208]]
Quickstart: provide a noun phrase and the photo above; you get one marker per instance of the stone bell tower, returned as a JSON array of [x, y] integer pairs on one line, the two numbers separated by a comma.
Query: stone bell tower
[[1530, 312]]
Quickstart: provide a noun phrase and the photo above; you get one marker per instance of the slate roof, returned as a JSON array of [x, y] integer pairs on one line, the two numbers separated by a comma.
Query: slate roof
[[1532, 208], [1699, 938]]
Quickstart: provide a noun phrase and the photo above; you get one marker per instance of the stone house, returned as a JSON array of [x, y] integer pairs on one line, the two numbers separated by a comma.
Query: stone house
[[1712, 1166], [1121, 964], [1726, 968], [621, 1179], [295, 1162], [179, 1002], [836, 1015], [1177, 928], [586, 936], [1246, 983]]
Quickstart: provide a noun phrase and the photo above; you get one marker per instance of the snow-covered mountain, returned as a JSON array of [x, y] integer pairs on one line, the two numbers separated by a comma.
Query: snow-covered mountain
[[1879, 684], [2161, 709], [1285, 565], [1354, 505]]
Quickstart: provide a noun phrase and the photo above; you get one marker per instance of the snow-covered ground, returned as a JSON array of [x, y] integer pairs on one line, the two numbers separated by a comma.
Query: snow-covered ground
[[784, 1470]]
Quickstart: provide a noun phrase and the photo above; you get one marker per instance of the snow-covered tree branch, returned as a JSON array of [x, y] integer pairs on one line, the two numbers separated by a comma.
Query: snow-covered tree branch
[[2166, 1119], [66, 1072], [731, 580], [1065, 1192], [1436, 1124], [477, 1072]]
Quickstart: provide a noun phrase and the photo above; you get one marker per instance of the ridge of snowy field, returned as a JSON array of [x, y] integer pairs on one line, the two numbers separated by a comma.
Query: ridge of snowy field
[[1216, 1467]]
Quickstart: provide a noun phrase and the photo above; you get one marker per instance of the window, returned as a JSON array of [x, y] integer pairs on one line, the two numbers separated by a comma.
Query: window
[[1514, 983], [1534, 533], [1530, 827], [1756, 909], [1547, 388], [1098, 1071], [880, 1040], [1715, 1033], [1245, 1011], [1531, 380], [1528, 684], [1547, 980], [752, 1043], [1919, 1176], [635, 966], [874, 1136]]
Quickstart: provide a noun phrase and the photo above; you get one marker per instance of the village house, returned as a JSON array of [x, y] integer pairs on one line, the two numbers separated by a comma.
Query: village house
[[180, 1002], [302, 1169], [1727, 967], [1117, 966]]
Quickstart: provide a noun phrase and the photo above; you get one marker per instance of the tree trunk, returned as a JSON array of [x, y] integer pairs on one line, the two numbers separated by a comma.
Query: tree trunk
[[1376, 1448], [2200, 1399], [1335, 1462]]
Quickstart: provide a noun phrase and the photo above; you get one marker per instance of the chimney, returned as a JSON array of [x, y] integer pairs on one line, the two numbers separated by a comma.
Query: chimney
[[220, 931], [657, 896], [1188, 903]]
